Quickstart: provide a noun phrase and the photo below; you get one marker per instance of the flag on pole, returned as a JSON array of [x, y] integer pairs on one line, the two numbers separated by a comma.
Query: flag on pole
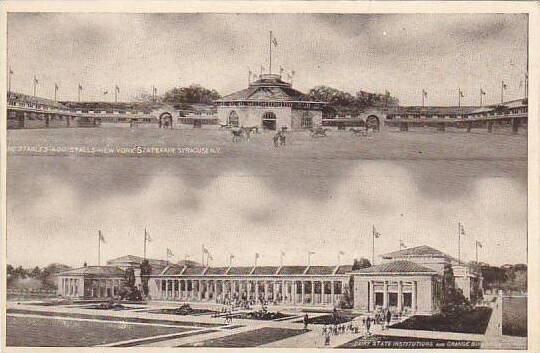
[[281, 70], [274, 41], [36, 81], [80, 87], [504, 85], [282, 253], [424, 93], [147, 236], [341, 252], [478, 244], [461, 229], [154, 89], [117, 88], [101, 237], [311, 252], [402, 244], [257, 255], [105, 92], [231, 257], [482, 92], [55, 86], [376, 234], [205, 250], [10, 71], [169, 253], [461, 92]]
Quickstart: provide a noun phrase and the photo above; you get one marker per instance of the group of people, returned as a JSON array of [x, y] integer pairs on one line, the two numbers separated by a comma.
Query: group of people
[[336, 329], [279, 139]]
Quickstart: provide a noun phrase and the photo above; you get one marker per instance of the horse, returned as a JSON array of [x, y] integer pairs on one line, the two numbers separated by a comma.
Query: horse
[[318, 132], [358, 132], [238, 134]]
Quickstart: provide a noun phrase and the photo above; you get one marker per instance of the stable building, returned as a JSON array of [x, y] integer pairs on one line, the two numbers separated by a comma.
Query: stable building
[[271, 104]]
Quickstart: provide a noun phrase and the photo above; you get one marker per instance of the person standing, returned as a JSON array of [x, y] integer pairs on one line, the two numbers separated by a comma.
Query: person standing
[[388, 318], [306, 321], [368, 325], [276, 139]]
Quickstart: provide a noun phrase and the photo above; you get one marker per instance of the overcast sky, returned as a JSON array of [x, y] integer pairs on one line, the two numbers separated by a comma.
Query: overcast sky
[[401, 53]]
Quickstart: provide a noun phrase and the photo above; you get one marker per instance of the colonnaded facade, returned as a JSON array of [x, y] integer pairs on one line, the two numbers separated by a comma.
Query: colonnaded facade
[[407, 280], [269, 103], [295, 285]]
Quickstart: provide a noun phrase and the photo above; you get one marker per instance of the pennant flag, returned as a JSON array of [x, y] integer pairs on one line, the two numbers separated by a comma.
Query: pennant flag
[[311, 252], [257, 255], [461, 93], [478, 244], [147, 236], [375, 233], [461, 229], [105, 92], [101, 237], [55, 86], [117, 88], [169, 253], [205, 250], [36, 80], [231, 257], [424, 93], [10, 71], [482, 92], [80, 87], [274, 41], [504, 85], [282, 253], [402, 244]]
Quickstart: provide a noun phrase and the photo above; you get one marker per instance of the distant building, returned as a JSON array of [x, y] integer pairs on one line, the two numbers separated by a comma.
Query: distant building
[[269, 103]]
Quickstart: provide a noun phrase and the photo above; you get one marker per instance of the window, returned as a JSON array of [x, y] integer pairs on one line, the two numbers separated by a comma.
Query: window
[[306, 121], [233, 119], [378, 299]]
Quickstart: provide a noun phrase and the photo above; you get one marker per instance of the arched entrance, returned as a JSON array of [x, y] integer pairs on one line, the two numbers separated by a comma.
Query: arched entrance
[[165, 120], [373, 123], [269, 121], [233, 119]]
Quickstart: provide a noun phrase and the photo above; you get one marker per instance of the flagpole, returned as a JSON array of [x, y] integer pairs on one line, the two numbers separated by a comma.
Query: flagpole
[[202, 263], [99, 248], [459, 243], [502, 91], [270, 68], [459, 97], [10, 72], [373, 247], [476, 243], [422, 98], [145, 243], [480, 97]]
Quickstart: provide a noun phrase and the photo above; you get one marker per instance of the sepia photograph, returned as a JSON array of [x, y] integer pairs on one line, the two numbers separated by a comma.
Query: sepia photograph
[[300, 179]]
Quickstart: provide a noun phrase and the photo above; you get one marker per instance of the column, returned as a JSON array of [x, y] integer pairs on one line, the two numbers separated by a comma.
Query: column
[[199, 287], [400, 295], [256, 291], [283, 291], [332, 300], [265, 290], [385, 294], [312, 292], [274, 291], [414, 288], [371, 296], [294, 289], [303, 289], [248, 290]]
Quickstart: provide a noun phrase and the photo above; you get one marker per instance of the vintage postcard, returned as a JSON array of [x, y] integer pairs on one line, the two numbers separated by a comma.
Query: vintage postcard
[[270, 175]]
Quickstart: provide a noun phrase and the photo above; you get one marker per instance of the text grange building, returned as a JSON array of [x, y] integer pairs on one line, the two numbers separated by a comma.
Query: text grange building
[[269, 103]]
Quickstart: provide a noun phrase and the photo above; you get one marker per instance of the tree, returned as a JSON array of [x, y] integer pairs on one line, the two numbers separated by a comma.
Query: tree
[[129, 291], [190, 95], [146, 270], [361, 263]]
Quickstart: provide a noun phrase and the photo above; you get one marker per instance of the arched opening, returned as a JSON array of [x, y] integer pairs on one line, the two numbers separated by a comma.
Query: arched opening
[[233, 119], [373, 123], [165, 120], [269, 121]]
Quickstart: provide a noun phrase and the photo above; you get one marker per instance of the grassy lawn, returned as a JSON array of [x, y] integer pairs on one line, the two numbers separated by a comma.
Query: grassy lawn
[[114, 318], [253, 338], [514, 319], [474, 322], [395, 342], [47, 332]]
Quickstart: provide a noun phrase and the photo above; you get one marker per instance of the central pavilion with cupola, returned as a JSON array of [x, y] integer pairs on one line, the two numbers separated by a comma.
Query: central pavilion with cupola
[[271, 104]]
